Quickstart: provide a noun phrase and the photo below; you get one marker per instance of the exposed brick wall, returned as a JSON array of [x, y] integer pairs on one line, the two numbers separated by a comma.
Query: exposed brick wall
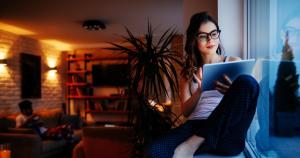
[[10, 79]]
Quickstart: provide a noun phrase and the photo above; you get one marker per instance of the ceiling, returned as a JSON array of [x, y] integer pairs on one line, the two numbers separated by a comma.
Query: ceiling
[[61, 20]]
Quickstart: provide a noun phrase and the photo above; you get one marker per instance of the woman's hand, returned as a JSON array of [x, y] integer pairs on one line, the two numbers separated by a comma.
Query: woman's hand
[[189, 97], [198, 78], [223, 87]]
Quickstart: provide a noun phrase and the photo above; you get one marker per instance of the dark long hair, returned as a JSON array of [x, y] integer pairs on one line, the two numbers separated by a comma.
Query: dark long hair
[[193, 58]]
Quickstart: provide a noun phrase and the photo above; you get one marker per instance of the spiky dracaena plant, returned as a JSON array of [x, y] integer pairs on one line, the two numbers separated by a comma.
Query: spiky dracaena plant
[[151, 64]]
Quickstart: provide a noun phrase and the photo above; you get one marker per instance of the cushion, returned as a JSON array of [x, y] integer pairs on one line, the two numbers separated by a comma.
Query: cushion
[[74, 120], [50, 145], [50, 117], [21, 130], [107, 142], [6, 123]]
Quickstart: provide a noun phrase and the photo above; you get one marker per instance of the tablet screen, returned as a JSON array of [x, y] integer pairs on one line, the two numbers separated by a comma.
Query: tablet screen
[[214, 72]]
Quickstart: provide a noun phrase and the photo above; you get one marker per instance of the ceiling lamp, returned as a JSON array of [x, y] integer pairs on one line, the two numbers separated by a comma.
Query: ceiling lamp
[[93, 25]]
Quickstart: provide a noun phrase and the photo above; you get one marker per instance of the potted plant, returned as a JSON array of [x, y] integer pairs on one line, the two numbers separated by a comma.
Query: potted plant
[[151, 65]]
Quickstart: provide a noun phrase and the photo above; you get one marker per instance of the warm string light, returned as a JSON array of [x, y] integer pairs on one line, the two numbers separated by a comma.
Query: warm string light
[[157, 106]]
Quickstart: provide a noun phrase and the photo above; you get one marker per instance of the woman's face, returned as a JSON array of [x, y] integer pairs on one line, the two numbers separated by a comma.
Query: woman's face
[[208, 38]]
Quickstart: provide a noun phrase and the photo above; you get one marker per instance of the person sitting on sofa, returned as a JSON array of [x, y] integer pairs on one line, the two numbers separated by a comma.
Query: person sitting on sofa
[[28, 119]]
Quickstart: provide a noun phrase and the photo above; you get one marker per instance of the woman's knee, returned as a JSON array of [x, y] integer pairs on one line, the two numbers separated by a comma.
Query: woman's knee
[[248, 82], [246, 79]]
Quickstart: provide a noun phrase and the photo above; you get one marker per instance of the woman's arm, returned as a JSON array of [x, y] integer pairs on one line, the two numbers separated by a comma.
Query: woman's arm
[[222, 87], [188, 100]]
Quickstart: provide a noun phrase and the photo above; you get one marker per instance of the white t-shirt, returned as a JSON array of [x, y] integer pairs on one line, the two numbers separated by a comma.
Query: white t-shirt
[[206, 104], [21, 119]]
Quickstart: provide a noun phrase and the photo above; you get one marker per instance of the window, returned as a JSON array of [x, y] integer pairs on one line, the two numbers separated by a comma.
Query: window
[[273, 29]]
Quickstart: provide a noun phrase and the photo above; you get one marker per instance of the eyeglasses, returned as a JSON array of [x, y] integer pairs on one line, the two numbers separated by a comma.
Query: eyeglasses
[[203, 36]]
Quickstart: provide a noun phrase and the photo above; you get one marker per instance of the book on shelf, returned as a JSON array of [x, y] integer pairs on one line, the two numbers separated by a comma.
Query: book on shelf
[[78, 91]]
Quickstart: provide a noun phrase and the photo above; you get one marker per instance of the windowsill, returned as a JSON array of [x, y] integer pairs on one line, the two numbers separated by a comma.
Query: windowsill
[[249, 151], [241, 155]]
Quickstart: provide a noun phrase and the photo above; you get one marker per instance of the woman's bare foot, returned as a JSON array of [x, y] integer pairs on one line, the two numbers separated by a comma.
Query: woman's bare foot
[[188, 147]]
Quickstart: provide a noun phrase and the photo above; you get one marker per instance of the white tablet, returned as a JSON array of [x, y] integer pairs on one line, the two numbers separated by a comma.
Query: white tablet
[[214, 72]]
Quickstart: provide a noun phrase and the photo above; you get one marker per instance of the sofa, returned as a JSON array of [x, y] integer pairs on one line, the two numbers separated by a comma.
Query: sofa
[[104, 142], [25, 143], [114, 142]]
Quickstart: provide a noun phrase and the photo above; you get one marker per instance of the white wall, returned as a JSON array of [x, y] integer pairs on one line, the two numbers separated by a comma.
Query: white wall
[[231, 22]]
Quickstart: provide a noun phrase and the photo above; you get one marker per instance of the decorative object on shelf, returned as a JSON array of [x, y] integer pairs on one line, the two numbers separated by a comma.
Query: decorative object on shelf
[[150, 63], [93, 25]]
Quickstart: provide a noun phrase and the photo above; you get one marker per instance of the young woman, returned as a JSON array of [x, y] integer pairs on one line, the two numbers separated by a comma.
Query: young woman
[[217, 120]]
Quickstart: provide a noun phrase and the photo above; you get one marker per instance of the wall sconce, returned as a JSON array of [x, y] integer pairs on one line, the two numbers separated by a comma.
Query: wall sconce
[[52, 73], [54, 69], [3, 61]]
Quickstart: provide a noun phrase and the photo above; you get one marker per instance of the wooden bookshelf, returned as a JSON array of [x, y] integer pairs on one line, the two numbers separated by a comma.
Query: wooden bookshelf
[[80, 90], [108, 111], [76, 84], [96, 59], [96, 97], [78, 71]]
